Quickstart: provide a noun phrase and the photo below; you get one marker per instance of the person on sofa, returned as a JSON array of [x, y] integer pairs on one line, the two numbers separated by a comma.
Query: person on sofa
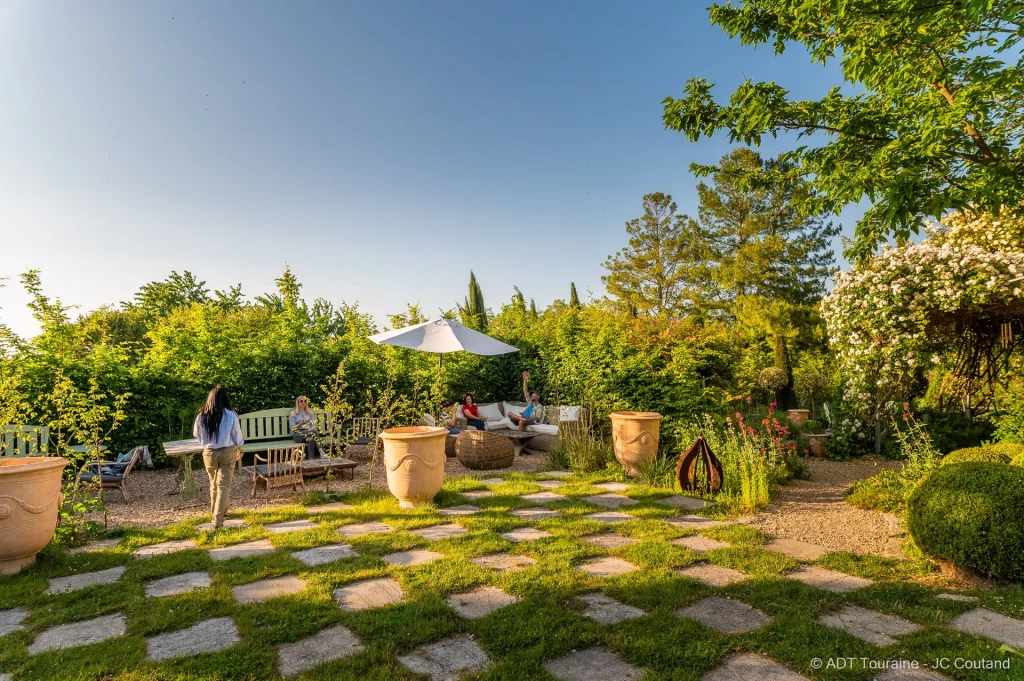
[[470, 412], [534, 412]]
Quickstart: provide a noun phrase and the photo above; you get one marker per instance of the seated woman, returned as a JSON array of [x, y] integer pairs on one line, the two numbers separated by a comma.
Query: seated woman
[[303, 426], [534, 412], [470, 412]]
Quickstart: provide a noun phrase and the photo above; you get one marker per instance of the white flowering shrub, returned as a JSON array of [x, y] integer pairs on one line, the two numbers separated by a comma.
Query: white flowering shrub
[[881, 316]]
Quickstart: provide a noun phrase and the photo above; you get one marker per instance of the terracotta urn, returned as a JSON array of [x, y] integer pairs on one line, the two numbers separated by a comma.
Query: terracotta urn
[[798, 417], [635, 438], [414, 459], [29, 500], [818, 442]]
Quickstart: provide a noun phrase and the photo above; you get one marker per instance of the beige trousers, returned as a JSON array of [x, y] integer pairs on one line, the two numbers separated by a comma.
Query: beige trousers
[[220, 466]]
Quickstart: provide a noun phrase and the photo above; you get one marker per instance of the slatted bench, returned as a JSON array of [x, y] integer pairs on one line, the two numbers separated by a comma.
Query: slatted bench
[[269, 429]]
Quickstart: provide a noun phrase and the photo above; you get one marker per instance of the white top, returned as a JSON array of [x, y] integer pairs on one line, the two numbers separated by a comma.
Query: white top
[[229, 434]]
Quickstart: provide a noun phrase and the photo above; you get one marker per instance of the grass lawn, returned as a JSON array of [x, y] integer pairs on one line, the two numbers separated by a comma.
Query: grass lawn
[[547, 621]]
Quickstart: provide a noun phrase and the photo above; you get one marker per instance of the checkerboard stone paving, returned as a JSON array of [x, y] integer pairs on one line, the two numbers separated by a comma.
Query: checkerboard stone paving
[[607, 567], [548, 484], [533, 513], [328, 645], [793, 548], [958, 597], [713, 575], [208, 636], [700, 544], [461, 510], [412, 558], [873, 627], [504, 562], [610, 540], [830, 580], [372, 527], [11, 620], [610, 517], [84, 633], [92, 547], [689, 503], [557, 474], [177, 584], [369, 593], [290, 526], [328, 508], [726, 615], [436, 532], [492, 481], [908, 673], [693, 522], [475, 494], [266, 589], [446, 660], [611, 500], [321, 555], [612, 486], [606, 610], [480, 602], [526, 534], [747, 666], [982, 622], [247, 549], [164, 548], [229, 523], [83, 580], [594, 664], [544, 497]]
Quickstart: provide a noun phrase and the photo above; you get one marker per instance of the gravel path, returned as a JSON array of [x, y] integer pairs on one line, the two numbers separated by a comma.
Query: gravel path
[[816, 511]]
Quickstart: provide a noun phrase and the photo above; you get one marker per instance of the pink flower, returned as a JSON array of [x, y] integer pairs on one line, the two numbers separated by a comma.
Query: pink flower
[[775, 404]]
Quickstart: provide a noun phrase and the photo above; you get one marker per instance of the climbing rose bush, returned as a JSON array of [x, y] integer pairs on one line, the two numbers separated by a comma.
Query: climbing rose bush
[[878, 313]]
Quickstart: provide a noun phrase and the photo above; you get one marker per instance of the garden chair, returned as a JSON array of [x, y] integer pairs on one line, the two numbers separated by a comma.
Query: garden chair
[[362, 434], [112, 474], [282, 466]]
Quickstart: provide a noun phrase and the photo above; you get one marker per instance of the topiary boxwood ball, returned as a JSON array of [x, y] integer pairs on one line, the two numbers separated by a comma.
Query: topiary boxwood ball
[[990, 454], [970, 514]]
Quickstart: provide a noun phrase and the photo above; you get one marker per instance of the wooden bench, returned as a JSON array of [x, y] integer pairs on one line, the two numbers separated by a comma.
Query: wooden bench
[[24, 440], [269, 429]]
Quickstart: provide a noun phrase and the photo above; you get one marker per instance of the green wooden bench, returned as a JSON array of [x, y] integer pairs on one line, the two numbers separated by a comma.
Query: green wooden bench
[[24, 440], [268, 429]]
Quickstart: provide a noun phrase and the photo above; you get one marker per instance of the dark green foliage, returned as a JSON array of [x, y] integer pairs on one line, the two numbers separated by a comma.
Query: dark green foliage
[[951, 430], [473, 311], [1001, 453], [970, 514], [574, 298], [885, 491]]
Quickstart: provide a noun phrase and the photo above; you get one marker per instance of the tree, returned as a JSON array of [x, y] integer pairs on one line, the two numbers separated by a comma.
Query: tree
[[178, 290], [657, 273], [473, 312], [929, 120], [574, 299]]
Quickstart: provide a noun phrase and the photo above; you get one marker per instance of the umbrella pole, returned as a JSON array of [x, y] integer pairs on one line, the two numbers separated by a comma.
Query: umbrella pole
[[440, 359]]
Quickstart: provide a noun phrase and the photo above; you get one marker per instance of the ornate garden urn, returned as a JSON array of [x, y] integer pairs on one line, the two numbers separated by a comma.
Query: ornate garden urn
[[29, 501], [798, 417], [635, 438], [414, 459]]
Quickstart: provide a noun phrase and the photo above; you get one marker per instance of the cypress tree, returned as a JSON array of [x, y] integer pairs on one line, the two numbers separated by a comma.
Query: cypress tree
[[574, 299]]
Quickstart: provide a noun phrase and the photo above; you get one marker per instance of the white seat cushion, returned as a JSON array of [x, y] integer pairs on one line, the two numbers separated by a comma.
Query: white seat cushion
[[543, 428], [569, 414], [490, 412], [513, 408], [498, 425], [428, 420]]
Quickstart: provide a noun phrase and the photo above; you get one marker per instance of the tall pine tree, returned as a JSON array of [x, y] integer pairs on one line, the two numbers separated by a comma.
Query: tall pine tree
[[473, 312], [574, 299]]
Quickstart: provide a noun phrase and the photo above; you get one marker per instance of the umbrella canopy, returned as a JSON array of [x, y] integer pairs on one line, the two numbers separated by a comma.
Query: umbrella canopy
[[443, 335]]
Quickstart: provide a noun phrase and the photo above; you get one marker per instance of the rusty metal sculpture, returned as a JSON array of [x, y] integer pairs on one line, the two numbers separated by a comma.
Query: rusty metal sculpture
[[686, 471]]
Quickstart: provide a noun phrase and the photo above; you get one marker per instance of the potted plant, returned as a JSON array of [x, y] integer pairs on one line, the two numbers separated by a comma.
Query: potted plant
[[29, 501], [635, 438], [798, 417], [414, 461], [816, 438]]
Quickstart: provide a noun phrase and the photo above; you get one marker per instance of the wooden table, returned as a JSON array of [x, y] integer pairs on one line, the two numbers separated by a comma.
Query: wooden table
[[519, 438], [185, 449]]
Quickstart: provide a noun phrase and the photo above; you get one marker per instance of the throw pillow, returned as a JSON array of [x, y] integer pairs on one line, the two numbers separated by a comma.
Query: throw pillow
[[569, 414], [490, 412], [513, 408]]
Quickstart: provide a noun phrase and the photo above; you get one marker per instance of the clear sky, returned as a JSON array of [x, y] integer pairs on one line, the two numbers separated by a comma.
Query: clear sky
[[381, 149]]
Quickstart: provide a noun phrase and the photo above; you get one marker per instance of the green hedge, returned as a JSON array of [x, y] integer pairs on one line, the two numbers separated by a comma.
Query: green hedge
[[1000, 453], [970, 514]]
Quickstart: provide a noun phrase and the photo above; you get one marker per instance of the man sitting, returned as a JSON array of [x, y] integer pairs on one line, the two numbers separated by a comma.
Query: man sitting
[[534, 412]]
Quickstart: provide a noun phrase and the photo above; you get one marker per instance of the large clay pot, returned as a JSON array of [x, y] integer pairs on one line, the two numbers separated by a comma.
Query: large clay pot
[[818, 442], [798, 417], [29, 500], [635, 438], [414, 459]]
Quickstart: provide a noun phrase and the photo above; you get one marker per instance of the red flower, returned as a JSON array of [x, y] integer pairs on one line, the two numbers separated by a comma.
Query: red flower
[[906, 407], [764, 422], [775, 404]]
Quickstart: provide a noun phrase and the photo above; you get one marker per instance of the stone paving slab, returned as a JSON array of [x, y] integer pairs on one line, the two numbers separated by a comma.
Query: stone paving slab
[[694, 522], [446, 660], [460, 510], [548, 484], [748, 667], [83, 580], [607, 567], [177, 584], [266, 589], [830, 580], [535, 513], [611, 500], [526, 534], [290, 526], [245, 550], [325, 646], [700, 544], [435, 532], [612, 486], [321, 555], [475, 494], [411, 558], [689, 503], [713, 575], [982, 622], [208, 636], [372, 527], [610, 517], [11, 620], [480, 602], [607, 610], [960, 598], [370, 593], [726, 615], [229, 523], [544, 497], [610, 540], [909, 673], [793, 548], [329, 508], [874, 627], [93, 546], [594, 664], [164, 548], [504, 562], [556, 474], [492, 481], [86, 633]]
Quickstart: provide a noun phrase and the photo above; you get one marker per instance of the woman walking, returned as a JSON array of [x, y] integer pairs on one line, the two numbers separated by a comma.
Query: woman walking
[[217, 429]]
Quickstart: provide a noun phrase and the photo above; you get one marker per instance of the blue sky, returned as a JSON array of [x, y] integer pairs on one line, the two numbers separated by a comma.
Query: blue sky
[[381, 149]]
